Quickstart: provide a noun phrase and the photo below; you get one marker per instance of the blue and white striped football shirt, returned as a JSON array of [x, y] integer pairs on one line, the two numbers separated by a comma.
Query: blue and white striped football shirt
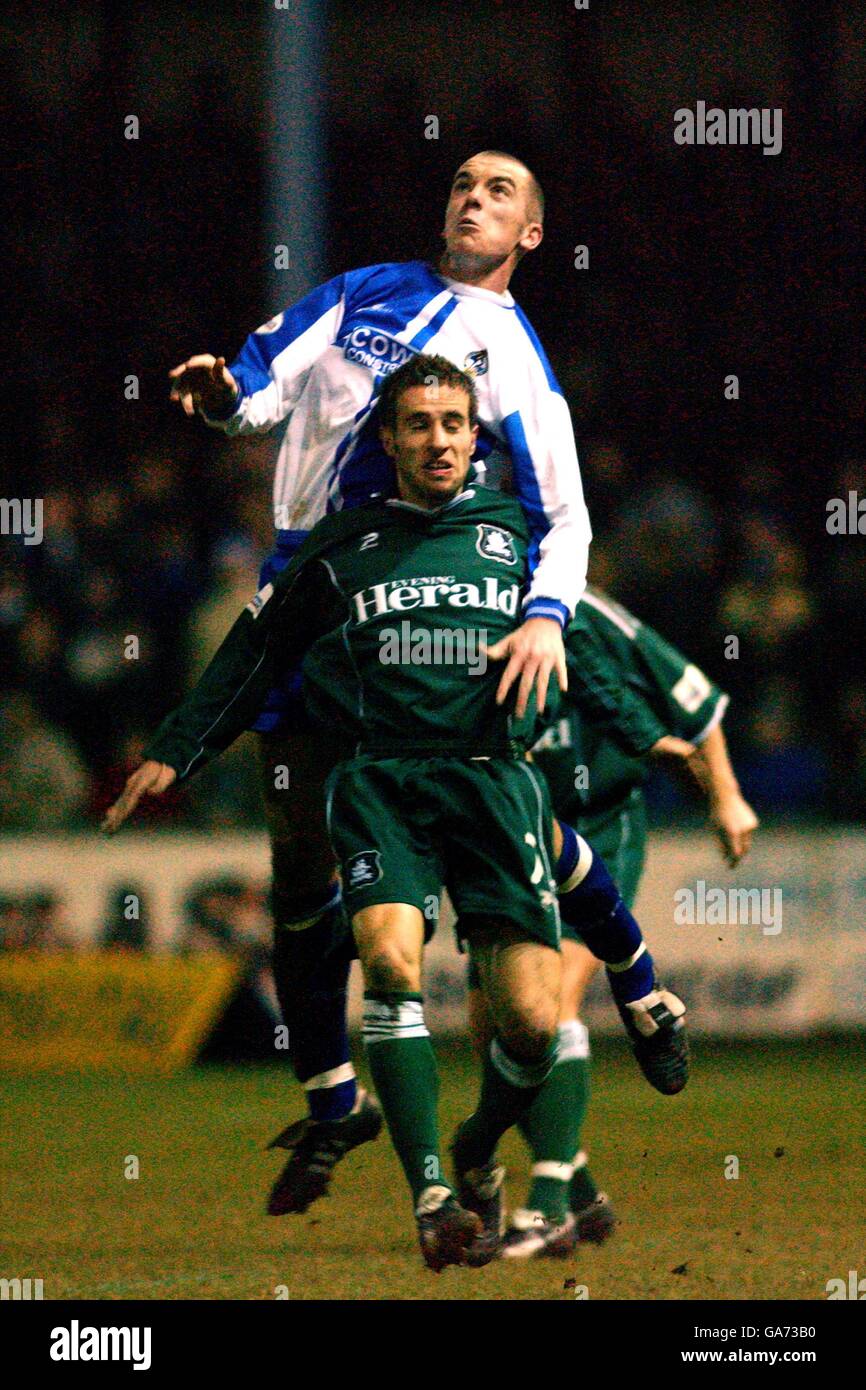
[[323, 361]]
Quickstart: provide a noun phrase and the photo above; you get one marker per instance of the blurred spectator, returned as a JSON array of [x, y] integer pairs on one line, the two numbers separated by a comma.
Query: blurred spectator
[[234, 565], [666, 545], [44, 781], [230, 915], [770, 611], [33, 923], [14, 601], [782, 772], [848, 755], [609, 482]]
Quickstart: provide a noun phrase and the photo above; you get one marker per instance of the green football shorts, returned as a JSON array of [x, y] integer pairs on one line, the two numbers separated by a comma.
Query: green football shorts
[[619, 837], [403, 827]]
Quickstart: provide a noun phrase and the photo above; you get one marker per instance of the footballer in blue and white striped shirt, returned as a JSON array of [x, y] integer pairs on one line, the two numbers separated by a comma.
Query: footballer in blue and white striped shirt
[[319, 366]]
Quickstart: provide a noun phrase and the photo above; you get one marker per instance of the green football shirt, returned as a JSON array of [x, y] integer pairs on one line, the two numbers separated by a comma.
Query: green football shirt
[[586, 768], [390, 607]]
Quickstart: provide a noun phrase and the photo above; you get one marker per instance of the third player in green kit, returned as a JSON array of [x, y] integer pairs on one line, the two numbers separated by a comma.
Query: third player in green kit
[[596, 786]]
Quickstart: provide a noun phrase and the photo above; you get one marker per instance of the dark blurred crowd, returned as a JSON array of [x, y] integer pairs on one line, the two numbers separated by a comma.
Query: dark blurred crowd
[[107, 621], [708, 511]]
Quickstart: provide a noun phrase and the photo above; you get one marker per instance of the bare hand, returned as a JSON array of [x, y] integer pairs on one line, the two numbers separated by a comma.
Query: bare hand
[[151, 779], [669, 746], [734, 821], [203, 383], [533, 650]]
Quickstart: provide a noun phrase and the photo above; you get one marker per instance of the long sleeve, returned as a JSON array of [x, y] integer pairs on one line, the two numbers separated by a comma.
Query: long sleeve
[[688, 702], [596, 685], [537, 429], [274, 629], [271, 368]]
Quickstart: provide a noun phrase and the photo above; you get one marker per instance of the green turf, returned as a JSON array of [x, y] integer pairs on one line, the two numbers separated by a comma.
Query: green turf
[[192, 1226]]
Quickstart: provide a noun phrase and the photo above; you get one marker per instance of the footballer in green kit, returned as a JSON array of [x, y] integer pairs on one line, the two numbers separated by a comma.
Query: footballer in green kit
[[401, 609], [596, 787]]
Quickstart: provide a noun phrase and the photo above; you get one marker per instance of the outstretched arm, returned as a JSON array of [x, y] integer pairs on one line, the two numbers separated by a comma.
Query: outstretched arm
[[276, 627], [269, 373], [536, 428], [730, 813]]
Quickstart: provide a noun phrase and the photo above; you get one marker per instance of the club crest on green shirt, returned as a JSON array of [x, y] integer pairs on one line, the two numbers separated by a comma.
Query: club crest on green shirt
[[495, 544]]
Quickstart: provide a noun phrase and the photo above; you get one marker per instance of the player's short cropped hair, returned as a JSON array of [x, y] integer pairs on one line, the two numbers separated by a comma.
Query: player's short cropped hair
[[535, 206], [424, 369]]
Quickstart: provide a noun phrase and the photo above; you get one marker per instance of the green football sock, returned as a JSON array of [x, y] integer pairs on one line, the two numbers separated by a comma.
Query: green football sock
[[406, 1078], [508, 1087], [553, 1123]]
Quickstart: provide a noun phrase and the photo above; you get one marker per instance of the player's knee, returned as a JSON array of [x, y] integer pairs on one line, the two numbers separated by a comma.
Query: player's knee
[[389, 970], [529, 1032]]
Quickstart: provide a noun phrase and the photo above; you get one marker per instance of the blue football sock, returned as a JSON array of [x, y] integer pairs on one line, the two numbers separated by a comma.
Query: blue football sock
[[590, 902]]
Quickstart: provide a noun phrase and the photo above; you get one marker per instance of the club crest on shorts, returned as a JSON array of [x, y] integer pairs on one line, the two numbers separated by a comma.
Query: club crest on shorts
[[476, 363], [363, 869], [495, 544]]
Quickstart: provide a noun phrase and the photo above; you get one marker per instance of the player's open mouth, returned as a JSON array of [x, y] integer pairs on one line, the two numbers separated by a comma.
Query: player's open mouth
[[437, 469]]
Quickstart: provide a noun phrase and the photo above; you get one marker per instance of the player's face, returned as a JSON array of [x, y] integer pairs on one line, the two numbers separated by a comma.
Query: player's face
[[431, 444], [489, 212]]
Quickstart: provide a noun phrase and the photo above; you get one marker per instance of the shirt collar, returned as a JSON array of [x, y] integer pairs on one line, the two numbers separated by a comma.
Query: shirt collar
[[430, 511], [458, 288]]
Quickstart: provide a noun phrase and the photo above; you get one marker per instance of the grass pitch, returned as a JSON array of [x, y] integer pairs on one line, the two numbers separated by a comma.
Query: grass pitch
[[192, 1226]]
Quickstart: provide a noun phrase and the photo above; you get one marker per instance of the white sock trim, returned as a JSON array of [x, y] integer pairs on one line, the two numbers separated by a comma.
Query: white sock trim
[[562, 1172], [522, 1219], [384, 1022], [335, 1077], [526, 1074], [581, 868], [431, 1199], [573, 1041], [627, 964], [581, 1158], [640, 1008]]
